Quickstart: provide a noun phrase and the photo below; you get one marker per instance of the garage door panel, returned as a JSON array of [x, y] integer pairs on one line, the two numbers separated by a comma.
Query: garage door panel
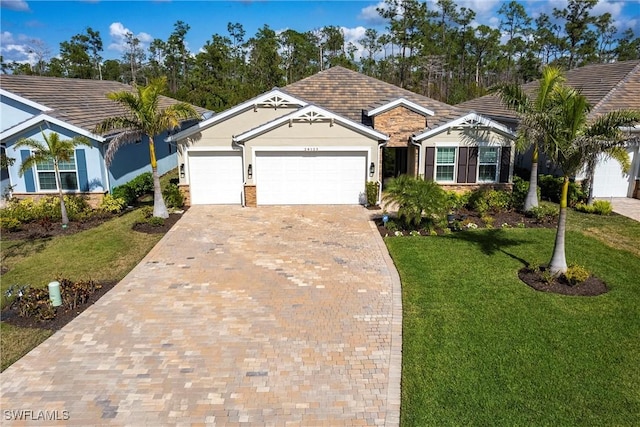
[[609, 180], [310, 177], [215, 177]]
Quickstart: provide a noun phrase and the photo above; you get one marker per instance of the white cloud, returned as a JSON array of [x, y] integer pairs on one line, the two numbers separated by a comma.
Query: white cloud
[[16, 5], [370, 14], [353, 35], [118, 33], [6, 38]]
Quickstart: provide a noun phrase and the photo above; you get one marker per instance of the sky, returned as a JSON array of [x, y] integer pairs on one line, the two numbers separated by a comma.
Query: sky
[[51, 22]]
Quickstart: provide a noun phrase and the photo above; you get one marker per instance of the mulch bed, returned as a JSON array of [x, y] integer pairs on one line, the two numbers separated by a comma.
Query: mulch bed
[[535, 278], [36, 230]]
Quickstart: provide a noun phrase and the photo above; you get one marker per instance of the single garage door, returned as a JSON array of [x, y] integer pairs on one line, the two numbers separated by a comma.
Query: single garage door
[[609, 180], [215, 177], [309, 178]]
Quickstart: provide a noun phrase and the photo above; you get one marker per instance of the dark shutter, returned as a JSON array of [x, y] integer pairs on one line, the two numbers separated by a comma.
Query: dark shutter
[[463, 157], [505, 163], [472, 165], [429, 163], [29, 182], [81, 166]]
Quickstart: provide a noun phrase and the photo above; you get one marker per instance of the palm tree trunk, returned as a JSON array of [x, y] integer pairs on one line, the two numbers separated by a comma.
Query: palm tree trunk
[[159, 208], [63, 208], [558, 262], [531, 200]]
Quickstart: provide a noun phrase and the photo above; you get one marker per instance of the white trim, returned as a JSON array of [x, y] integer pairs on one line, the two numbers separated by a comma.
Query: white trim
[[43, 118], [397, 102], [212, 148], [304, 148], [25, 101], [272, 99], [309, 114], [471, 120]]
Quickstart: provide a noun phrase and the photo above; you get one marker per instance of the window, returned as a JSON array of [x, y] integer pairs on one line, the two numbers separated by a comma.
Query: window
[[68, 175], [488, 160], [445, 163]]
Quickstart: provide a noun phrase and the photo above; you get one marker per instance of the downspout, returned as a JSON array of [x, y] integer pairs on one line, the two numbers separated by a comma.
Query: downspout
[[106, 168], [244, 182], [381, 145], [419, 145]]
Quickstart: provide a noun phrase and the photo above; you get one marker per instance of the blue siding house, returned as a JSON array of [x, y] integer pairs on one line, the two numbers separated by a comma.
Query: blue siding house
[[33, 105]]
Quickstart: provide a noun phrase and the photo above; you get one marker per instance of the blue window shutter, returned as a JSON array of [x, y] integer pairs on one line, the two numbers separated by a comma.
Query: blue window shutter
[[81, 166], [29, 182]]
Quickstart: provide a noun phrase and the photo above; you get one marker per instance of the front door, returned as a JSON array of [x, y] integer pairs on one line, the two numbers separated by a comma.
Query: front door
[[394, 163]]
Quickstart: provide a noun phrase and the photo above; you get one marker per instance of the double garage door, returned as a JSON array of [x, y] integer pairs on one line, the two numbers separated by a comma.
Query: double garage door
[[282, 178]]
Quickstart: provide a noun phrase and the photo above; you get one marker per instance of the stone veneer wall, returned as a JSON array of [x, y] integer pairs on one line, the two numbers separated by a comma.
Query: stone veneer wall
[[399, 123], [186, 193], [461, 188], [250, 197]]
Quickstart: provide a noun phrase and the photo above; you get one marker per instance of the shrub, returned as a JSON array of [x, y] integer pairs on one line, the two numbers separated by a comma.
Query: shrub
[[35, 303], [142, 184], [76, 293], [125, 193], [456, 201], [599, 207], [112, 204], [9, 224], [155, 221], [147, 212], [544, 213], [46, 208], [372, 189], [391, 226], [173, 196], [551, 187], [484, 199], [77, 207], [576, 275], [417, 200]]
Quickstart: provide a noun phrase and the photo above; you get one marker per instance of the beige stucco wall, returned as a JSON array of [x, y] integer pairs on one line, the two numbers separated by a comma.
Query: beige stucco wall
[[219, 135]]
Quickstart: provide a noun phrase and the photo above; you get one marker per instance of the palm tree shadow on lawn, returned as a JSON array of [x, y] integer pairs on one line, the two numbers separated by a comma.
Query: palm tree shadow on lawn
[[496, 240]]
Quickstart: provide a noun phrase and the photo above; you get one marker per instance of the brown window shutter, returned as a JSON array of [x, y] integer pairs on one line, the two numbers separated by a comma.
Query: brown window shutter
[[472, 165], [429, 163], [463, 157], [505, 163]]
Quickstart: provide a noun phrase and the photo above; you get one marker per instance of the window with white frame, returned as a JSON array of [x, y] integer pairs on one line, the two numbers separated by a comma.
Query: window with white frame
[[445, 163], [488, 164], [68, 175]]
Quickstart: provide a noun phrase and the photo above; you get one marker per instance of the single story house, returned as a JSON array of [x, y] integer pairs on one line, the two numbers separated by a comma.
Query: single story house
[[607, 87], [319, 140], [31, 105]]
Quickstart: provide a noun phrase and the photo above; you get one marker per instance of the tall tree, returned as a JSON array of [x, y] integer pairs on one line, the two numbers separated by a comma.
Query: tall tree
[[532, 111], [134, 55], [54, 150], [515, 24], [571, 140], [580, 40], [144, 117], [81, 55], [177, 56], [264, 61]]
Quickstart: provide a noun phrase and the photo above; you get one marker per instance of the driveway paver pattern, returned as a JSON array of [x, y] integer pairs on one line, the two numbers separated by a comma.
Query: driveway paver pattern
[[283, 315]]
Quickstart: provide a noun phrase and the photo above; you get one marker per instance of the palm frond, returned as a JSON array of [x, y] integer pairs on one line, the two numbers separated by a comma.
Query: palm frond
[[120, 140]]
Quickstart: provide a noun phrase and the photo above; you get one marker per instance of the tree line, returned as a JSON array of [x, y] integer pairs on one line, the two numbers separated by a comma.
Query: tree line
[[428, 48]]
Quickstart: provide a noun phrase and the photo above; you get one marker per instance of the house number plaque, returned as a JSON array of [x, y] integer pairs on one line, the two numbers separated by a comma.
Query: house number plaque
[[310, 148]]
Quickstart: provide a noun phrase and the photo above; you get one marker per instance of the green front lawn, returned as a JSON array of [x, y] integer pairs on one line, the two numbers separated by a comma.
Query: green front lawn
[[481, 348], [105, 254]]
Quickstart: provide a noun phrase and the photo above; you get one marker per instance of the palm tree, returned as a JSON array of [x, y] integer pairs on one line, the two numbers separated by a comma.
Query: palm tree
[[144, 117], [572, 140], [53, 150], [531, 111]]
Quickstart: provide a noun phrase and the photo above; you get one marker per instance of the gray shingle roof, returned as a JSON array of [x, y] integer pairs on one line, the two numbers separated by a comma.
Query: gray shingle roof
[[82, 103], [350, 94], [607, 87]]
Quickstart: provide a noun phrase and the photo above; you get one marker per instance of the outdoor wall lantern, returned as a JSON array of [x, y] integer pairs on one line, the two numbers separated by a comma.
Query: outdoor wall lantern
[[372, 169], [250, 171], [181, 170]]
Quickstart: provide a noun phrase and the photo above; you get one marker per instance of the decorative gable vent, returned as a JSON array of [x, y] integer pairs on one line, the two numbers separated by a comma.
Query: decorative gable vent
[[277, 101]]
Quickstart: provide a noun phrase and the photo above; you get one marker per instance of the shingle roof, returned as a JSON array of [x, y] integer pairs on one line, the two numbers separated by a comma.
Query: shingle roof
[[82, 103], [349, 94], [607, 87]]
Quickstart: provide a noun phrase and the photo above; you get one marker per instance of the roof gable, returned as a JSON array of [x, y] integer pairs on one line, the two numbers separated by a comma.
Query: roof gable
[[400, 102], [46, 120], [310, 114], [25, 101], [469, 121], [272, 99]]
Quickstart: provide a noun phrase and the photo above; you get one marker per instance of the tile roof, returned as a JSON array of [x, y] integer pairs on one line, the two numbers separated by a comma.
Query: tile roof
[[82, 103], [350, 94], [607, 87]]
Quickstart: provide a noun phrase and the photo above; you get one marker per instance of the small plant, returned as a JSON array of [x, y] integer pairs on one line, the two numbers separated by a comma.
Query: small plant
[[488, 220], [35, 303], [470, 225], [544, 213], [146, 211], [9, 224], [397, 233], [414, 233], [391, 226], [599, 207], [112, 204], [155, 221], [521, 224], [76, 293], [576, 275], [373, 188], [505, 225], [173, 196]]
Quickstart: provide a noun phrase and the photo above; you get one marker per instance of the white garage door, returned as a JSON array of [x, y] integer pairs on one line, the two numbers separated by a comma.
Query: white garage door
[[309, 178], [215, 177], [609, 180]]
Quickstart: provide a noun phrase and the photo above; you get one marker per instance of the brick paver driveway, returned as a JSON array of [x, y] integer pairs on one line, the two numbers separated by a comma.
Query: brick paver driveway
[[267, 316]]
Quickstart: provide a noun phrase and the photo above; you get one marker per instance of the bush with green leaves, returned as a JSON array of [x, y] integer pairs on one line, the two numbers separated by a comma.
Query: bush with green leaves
[[551, 187], [9, 224], [599, 207], [125, 193], [155, 221], [456, 201], [112, 204], [486, 199], [519, 192], [173, 196], [418, 201], [28, 210], [576, 275], [373, 188], [146, 211], [544, 213], [131, 191]]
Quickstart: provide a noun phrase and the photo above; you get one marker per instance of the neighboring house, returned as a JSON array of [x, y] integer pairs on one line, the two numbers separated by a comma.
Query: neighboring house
[[31, 105], [607, 87], [319, 140]]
